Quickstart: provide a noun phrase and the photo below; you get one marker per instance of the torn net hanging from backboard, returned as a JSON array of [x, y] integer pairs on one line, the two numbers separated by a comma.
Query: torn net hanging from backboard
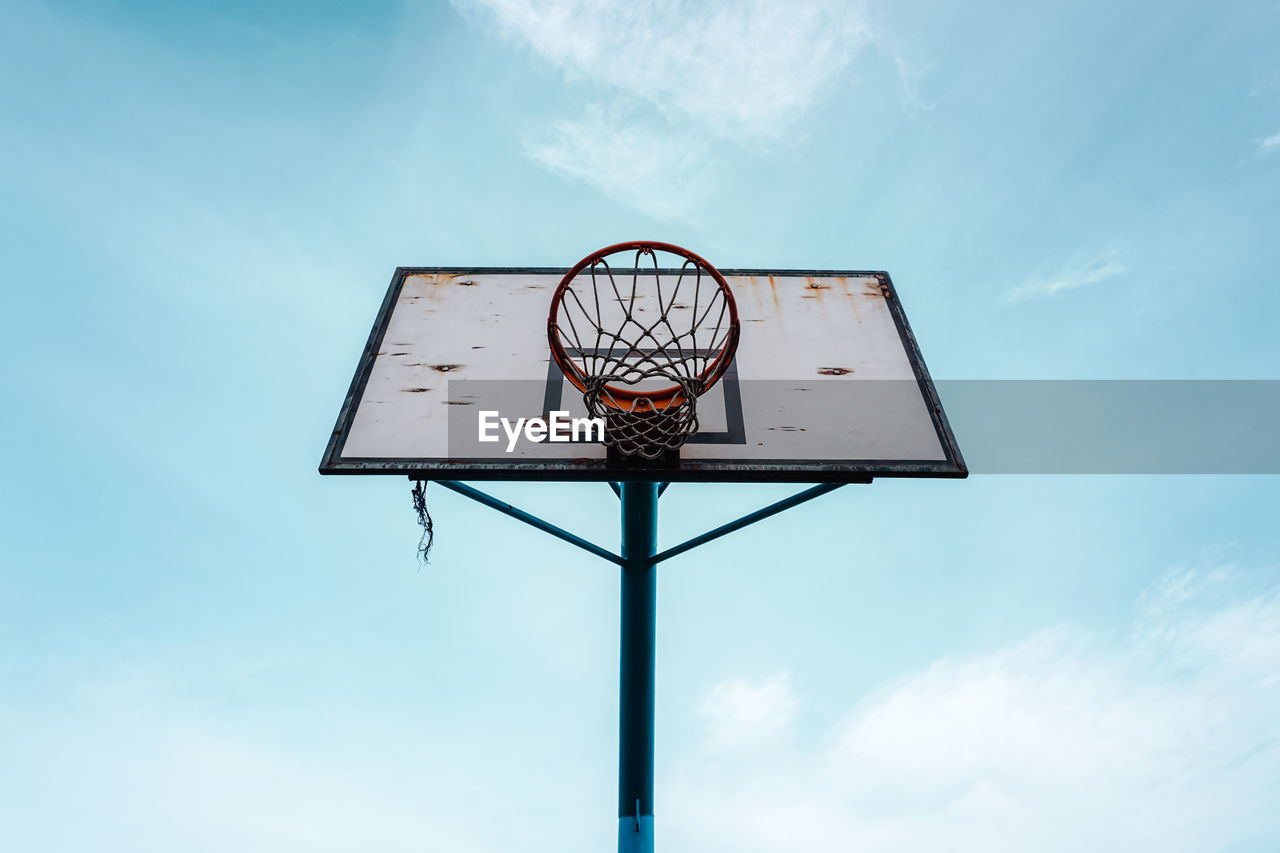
[[424, 519]]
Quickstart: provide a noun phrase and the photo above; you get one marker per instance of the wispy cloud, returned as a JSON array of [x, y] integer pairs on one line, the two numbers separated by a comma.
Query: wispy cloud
[[1074, 276], [677, 76], [910, 74], [1266, 79], [662, 174], [1272, 141], [746, 715], [1163, 740], [734, 67]]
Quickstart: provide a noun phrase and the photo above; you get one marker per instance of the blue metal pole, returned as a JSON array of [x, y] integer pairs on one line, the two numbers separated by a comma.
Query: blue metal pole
[[635, 735]]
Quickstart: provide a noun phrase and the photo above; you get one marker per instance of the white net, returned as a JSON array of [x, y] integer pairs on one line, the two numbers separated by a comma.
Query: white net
[[643, 341]]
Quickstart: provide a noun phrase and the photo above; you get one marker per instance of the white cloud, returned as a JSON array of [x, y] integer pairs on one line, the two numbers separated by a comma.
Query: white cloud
[[677, 75], [662, 174], [1271, 141], [1167, 739], [733, 67], [1072, 277], [745, 715]]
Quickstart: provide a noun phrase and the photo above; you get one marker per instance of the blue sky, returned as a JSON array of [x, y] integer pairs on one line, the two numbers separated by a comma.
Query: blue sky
[[206, 646]]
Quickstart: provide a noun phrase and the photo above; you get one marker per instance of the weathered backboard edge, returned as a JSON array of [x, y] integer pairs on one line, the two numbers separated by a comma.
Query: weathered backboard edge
[[754, 471]]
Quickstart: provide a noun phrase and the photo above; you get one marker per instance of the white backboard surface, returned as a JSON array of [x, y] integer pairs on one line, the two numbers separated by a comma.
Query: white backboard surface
[[827, 385]]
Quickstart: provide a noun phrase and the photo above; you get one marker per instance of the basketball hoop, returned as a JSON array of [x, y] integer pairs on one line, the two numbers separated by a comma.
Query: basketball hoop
[[641, 330], [643, 349]]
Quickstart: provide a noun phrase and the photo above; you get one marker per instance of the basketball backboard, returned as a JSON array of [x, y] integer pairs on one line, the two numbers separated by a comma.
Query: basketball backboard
[[827, 385]]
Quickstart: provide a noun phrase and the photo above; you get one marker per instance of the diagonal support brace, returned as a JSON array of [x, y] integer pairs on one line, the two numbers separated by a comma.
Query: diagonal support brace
[[529, 519], [590, 547], [752, 518]]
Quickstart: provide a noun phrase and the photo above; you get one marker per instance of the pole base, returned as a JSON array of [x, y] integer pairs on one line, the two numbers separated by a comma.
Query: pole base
[[635, 836]]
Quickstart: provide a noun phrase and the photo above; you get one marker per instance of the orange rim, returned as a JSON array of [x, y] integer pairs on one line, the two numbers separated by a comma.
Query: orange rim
[[667, 397]]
